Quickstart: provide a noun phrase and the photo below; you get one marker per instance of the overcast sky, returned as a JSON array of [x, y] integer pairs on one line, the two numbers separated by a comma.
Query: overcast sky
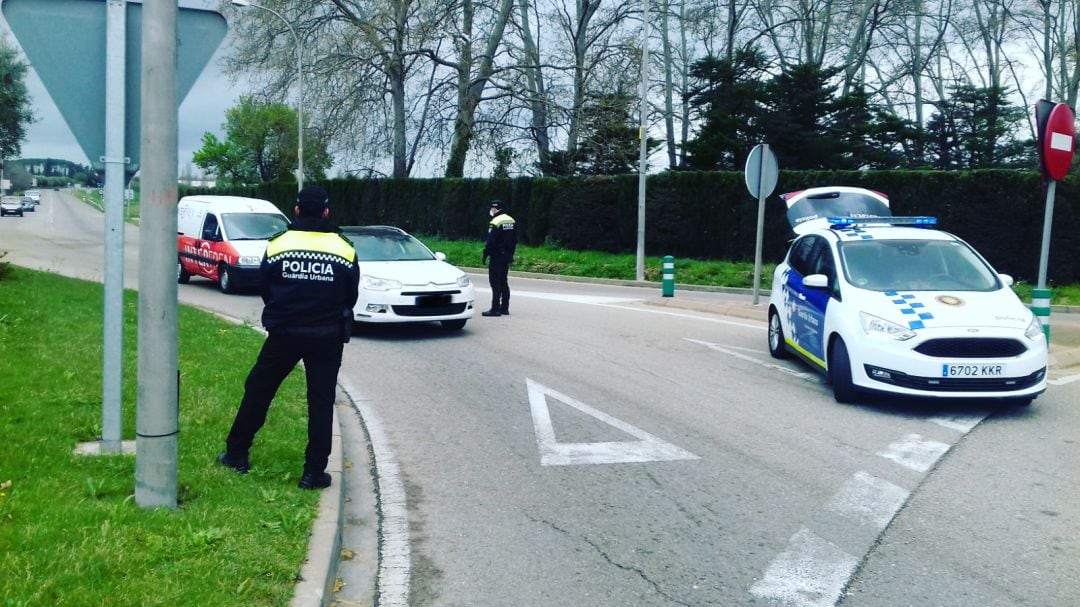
[[203, 110]]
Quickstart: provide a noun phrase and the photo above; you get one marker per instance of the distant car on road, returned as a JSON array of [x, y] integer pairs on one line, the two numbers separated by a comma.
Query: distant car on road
[[28, 204], [890, 304], [10, 206], [402, 281], [33, 195]]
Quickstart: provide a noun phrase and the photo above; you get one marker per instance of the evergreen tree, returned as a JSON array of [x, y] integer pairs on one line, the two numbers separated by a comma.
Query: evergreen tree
[[976, 128], [729, 100]]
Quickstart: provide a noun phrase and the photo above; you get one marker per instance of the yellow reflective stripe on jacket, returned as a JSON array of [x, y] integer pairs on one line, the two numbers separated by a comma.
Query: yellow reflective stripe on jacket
[[500, 219], [321, 242]]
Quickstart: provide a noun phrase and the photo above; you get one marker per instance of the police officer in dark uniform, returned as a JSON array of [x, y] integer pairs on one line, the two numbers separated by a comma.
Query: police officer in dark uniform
[[309, 281], [500, 246]]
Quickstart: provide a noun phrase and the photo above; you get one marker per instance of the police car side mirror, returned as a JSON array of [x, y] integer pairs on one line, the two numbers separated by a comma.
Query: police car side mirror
[[440, 255], [816, 281], [1006, 279]]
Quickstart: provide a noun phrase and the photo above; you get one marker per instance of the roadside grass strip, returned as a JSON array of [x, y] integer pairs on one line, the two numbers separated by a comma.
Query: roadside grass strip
[[70, 531]]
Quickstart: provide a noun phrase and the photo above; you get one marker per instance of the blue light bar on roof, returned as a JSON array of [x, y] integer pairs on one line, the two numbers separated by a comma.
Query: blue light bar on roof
[[850, 222]]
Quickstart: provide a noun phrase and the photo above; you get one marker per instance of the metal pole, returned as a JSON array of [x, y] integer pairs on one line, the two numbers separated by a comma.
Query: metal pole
[[643, 137], [157, 421], [760, 222], [113, 344], [1048, 217]]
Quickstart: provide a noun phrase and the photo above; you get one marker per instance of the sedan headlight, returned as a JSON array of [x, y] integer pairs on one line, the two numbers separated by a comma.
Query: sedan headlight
[[1034, 330], [463, 280], [374, 283], [250, 260], [885, 328]]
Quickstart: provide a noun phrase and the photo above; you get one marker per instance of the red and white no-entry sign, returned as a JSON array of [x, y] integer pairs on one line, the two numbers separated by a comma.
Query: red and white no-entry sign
[[1057, 137]]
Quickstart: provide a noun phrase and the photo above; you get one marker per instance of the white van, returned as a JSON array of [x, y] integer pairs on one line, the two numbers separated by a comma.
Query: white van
[[224, 238]]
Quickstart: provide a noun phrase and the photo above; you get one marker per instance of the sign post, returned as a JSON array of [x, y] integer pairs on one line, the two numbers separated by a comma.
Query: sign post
[[761, 174], [1056, 127], [101, 100]]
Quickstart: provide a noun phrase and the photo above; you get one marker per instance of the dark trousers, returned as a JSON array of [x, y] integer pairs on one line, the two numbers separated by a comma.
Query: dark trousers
[[278, 357], [500, 286]]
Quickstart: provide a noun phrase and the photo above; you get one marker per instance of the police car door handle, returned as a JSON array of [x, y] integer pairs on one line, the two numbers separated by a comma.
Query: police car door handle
[[801, 296]]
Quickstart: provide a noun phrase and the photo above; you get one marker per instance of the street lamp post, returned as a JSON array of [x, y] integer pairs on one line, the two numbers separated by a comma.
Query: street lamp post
[[299, 87]]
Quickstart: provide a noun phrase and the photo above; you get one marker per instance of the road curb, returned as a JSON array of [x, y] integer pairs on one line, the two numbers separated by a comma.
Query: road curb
[[319, 571]]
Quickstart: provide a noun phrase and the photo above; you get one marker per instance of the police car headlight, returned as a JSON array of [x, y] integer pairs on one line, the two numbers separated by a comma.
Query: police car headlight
[[874, 325], [463, 280], [1034, 330], [373, 283], [250, 260]]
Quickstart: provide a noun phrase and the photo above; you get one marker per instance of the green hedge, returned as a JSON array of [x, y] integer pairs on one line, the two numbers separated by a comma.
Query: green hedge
[[710, 215]]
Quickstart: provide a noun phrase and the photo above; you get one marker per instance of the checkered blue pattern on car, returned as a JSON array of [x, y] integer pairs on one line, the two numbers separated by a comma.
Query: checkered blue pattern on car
[[855, 233], [909, 305]]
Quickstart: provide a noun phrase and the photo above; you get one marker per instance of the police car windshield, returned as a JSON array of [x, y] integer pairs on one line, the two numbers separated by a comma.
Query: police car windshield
[[915, 265], [390, 247], [253, 226]]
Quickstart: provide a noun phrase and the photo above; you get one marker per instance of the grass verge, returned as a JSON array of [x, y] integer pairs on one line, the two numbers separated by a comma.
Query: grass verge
[[592, 264], [70, 531]]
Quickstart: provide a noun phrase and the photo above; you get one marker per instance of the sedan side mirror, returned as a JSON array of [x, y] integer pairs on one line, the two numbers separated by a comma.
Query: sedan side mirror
[[440, 255], [816, 281], [1005, 278]]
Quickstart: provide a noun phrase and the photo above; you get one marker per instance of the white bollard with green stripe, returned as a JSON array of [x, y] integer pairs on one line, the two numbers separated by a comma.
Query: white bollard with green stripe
[[1040, 305], [668, 284]]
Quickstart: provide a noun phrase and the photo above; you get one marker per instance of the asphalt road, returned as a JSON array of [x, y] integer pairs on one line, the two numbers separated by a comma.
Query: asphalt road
[[592, 449]]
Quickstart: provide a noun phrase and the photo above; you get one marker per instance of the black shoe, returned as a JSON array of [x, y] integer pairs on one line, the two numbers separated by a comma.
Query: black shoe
[[240, 464], [314, 480], [491, 313], [504, 312]]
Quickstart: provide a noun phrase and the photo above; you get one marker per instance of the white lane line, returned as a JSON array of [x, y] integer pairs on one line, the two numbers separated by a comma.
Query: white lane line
[[394, 552], [868, 498], [553, 453], [611, 302], [812, 572], [961, 423], [1061, 381], [915, 452], [811, 377], [569, 297]]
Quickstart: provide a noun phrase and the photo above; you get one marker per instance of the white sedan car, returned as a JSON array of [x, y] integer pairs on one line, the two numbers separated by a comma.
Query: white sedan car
[[401, 280], [889, 304]]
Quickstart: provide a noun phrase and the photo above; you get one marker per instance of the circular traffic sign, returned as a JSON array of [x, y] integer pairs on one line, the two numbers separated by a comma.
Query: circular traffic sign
[[1058, 142], [761, 171]]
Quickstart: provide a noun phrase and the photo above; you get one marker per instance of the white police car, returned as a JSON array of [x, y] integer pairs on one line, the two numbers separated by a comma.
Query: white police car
[[887, 304]]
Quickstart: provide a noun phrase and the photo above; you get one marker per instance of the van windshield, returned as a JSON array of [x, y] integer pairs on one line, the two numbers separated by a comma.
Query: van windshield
[[253, 226]]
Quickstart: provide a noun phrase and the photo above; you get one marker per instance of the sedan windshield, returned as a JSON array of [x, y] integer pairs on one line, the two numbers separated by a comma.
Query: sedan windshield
[[916, 265], [389, 247], [253, 226]]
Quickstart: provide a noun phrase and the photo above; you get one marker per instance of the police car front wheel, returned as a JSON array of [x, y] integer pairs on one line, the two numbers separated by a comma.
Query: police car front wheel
[[844, 390]]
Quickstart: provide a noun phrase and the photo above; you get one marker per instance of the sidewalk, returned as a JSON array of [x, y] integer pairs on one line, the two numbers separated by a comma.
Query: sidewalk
[[348, 507]]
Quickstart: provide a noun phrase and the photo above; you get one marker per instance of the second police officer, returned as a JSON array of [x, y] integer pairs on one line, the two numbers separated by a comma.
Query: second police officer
[[499, 247]]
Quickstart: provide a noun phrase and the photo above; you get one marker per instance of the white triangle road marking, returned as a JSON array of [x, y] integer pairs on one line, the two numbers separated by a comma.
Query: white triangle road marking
[[553, 453]]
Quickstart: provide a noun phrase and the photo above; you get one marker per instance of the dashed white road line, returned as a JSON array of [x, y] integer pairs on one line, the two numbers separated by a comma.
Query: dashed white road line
[[812, 572], [869, 499], [915, 452], [1061, 381], [811, 377], [961, 423]]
